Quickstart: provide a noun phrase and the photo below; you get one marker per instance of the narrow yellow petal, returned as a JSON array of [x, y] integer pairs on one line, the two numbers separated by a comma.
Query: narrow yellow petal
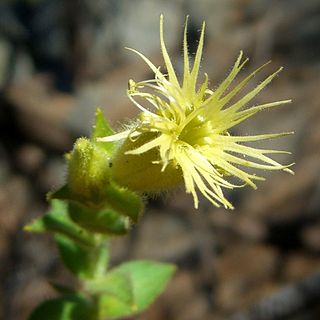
[[167, 60], [241, 85], [148, 62], [249, 96], [186, 67], [197, 60], [147, 146], [115, 137], [247, 163], [229, 120], [226, 83]]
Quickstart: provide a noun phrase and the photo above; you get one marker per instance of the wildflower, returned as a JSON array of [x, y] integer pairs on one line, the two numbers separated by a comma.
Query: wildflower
[[187, 126]]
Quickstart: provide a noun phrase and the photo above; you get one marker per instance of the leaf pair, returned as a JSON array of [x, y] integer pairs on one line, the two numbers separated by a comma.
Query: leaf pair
[[125, 291]]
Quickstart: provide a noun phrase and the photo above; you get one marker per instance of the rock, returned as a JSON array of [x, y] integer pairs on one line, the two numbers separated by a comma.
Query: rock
[[29, 158], [191, 296], [250, 229], [4, 166], [4, 251], [163, 237], [288, 200], [120, 248], [241, 271], [107, 27], [5, 51], [220, 219], [13, 202], [238, 224], [297, 266], [108, 93], [311, 237], [181, 300], [292, 301], [41, 112], [53, 174], [28, 297], [179, 202], [22, 68]]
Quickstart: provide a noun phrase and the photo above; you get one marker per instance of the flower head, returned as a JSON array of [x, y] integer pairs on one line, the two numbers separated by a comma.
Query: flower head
[[188, 124]]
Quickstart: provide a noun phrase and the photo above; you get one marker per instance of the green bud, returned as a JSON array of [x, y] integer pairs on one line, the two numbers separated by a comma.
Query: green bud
[[88, 172], [90, 189]]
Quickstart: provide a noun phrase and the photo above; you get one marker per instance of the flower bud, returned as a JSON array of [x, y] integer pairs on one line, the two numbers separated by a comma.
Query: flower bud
[[88, 172]]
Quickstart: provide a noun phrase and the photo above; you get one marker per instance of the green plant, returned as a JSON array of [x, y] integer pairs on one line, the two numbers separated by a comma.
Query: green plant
[[183, 136]]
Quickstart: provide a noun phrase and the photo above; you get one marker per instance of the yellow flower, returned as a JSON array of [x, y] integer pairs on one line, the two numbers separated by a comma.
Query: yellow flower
[[188, 125]]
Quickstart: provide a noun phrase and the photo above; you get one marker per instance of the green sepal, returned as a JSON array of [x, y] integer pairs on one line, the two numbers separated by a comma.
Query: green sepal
[[102, 129], [70, 307], [121, 200], [83, 262], [130, 288], [58, 221], [63, 193], [102, 220], [124, 201]]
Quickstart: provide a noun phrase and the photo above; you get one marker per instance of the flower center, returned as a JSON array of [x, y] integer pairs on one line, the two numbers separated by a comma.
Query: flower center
[[195, 131]]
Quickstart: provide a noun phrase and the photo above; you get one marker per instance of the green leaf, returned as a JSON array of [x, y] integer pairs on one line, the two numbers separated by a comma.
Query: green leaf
[[110, 307], [102, 129], [148, 279], [130, 288], [117, 285], [64, 193], [57, 220], [83, 262], [65, 308], [124, 201], [116, 297], [102, 220]]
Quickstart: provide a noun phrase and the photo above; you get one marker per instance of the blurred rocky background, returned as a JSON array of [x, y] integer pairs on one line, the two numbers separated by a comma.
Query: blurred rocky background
[[59, 60]]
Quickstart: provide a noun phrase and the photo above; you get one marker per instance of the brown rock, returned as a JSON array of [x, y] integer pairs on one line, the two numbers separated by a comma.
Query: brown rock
[[311, 237], [42, 112], [284, 198], [297, 266], [53, 174], [238, 224], [164, 237], [120, 248], [241, 271], [29, 296], [250, 228], [181, 300], [29, 158], [13, 202], [221, 219]]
